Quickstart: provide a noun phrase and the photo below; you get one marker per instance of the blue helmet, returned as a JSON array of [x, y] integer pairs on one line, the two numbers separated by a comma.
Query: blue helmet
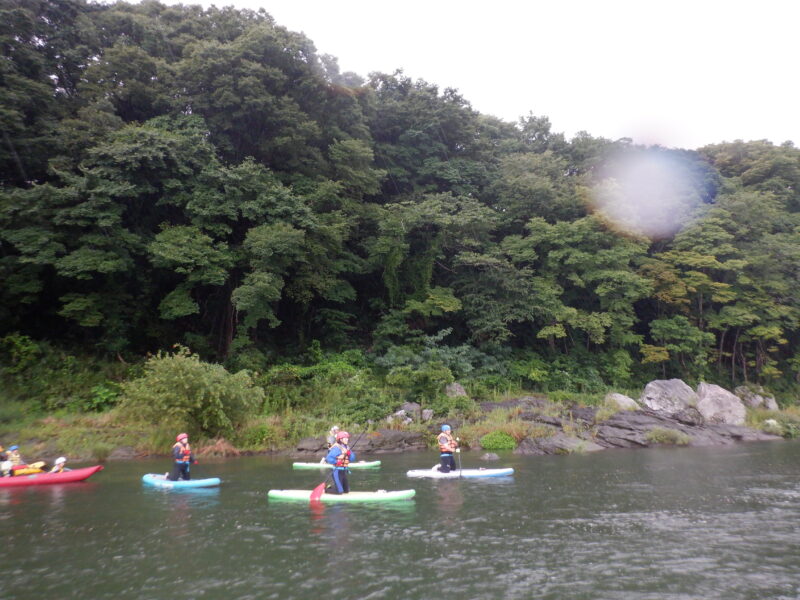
[[14, 447], [445, 427]]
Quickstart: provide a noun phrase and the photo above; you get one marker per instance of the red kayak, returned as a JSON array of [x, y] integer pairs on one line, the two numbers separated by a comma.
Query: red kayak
[[45, 478]]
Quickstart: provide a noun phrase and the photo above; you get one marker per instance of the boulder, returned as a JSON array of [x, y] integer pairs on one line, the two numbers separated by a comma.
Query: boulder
[[669, 396], [490, 456], [718, 405], [411, 409], [427, 414], [756, 398], [621, 401], [454, 390]]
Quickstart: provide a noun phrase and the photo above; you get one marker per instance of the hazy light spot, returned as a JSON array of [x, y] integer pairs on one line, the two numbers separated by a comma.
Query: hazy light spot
[[646, 193]]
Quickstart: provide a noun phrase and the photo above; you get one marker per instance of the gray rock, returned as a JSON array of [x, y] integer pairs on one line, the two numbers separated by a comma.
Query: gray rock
[[454, 390], [621, 401], [668, 396], [689, 416], [412, 409], [312, 444], [490, 456], [390, 440], [560, 443], [718, 405], [427, 414], [756, 398]]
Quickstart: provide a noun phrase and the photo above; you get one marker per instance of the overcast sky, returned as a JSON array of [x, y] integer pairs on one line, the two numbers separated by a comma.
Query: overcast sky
[[682, 73]]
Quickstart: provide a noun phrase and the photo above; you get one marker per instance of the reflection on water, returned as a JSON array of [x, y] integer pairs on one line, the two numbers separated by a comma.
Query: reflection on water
[[672, 523]]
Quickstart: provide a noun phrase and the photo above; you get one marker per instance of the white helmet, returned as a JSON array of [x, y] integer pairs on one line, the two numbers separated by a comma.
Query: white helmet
[[61, 460]]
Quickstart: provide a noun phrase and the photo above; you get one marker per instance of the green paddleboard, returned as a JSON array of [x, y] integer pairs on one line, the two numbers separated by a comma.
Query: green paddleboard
[[362, 464], [378, 496]]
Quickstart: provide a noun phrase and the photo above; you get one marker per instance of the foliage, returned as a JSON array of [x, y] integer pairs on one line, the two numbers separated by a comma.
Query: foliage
[[498, 440], [663, 435], [179, 389]]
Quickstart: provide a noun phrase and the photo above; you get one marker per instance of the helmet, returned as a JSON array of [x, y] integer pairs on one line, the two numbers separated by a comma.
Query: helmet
[[61, 460], [181, 436], [14, 447], [335, 428], [341, 435], [445, 427]]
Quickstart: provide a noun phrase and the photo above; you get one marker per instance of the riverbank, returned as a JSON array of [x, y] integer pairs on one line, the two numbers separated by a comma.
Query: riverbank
[[530, 425]]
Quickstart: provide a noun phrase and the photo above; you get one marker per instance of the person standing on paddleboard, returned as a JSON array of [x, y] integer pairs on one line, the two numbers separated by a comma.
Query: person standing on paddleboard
[[340, 456], [447, 446], [183, 457]]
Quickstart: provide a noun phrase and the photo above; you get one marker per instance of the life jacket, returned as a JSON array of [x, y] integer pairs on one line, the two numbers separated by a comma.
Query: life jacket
[[186, 453], [14, 457], [57, 468], [344, 458], [447, 442]]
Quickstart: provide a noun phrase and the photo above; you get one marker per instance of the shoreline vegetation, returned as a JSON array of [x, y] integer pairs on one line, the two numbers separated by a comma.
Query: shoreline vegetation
[[98, 411]]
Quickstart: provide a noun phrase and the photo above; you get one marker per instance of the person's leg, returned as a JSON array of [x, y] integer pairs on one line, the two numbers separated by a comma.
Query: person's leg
[[445, 460], [453, 463], [176, 472], [345, 482], [337, 482]]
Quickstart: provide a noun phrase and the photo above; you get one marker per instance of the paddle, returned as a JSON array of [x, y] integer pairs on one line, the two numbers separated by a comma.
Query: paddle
[[458, 451], [316, 493]]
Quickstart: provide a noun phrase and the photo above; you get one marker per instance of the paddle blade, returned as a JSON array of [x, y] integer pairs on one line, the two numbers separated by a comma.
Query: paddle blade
[[317, 492]]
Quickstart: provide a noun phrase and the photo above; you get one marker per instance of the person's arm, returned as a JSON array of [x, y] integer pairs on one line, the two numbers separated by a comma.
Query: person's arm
[[333, 453], [176, 452], [352, 456]]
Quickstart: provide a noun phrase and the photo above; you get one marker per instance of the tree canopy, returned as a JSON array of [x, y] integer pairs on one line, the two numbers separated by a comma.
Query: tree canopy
[[203, 177]]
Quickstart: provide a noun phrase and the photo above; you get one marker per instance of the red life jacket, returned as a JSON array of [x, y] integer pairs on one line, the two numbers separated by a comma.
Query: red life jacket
[[447, 442], [186, 452], [344, 458]]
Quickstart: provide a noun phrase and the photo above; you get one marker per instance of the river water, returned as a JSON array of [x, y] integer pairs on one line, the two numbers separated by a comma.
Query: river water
[[672, 523]]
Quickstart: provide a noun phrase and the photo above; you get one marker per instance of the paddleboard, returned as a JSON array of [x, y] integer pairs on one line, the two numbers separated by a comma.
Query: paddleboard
[[377, 496], [161, 481], [362, 464], [434, 473]]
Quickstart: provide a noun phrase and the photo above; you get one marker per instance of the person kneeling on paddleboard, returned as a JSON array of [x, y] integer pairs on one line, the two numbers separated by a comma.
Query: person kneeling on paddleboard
[[447, 445], [182, 453], [340, 456]]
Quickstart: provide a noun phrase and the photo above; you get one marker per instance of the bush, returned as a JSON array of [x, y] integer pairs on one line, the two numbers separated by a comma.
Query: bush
[[663, 435], [498, 440], [21, 352], [182, 391]]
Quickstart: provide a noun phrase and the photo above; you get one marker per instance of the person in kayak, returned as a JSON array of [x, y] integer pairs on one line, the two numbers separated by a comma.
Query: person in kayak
[[58, 466], [447, 446], [183, 457], [14, 456], [340, 456]]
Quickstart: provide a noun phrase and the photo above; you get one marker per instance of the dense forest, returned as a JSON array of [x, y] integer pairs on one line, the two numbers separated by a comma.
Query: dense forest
[[175, 175]]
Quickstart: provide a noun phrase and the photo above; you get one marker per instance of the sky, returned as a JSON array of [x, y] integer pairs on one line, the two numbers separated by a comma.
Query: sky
[[683, 73]]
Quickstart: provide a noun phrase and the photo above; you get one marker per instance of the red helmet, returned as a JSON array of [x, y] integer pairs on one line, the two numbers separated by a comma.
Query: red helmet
[[341, 435], [181, 436]]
